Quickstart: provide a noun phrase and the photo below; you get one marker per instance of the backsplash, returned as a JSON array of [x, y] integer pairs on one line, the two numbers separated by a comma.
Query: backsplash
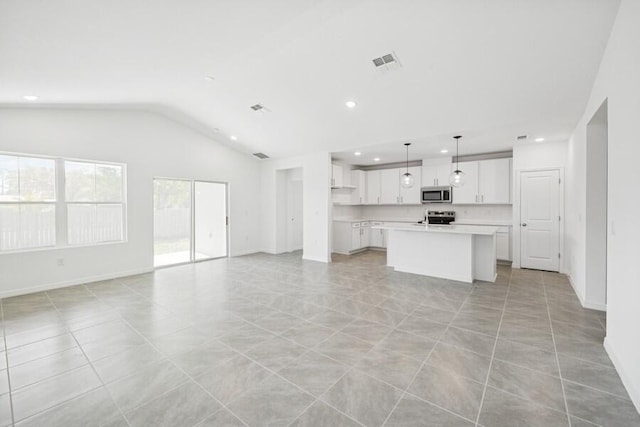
[[414, 213]]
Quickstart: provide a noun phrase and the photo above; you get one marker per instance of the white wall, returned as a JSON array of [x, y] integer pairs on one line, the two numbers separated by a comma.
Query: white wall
[[529, 156], [316, 177], [618, 82], [150, 145]]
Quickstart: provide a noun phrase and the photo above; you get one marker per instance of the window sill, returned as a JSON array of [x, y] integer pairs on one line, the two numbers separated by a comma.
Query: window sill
[[57, 248]]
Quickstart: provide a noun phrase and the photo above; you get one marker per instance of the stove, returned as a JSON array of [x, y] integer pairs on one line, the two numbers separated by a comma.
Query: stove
[[441, 217]]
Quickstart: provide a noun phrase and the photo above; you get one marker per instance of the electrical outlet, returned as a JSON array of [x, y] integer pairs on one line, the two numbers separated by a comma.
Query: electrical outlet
[[60, 262]]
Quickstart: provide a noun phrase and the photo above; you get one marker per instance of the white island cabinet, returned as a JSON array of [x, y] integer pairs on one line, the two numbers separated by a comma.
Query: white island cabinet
[[457, 252]]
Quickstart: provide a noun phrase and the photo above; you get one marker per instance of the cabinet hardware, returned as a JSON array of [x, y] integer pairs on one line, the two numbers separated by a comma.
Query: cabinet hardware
[[524, 224]]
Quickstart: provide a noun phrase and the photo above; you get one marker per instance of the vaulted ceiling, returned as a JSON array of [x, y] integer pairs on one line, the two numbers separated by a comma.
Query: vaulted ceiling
[[489, 69]]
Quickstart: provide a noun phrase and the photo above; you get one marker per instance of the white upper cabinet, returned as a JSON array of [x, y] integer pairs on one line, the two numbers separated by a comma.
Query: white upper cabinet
[[468, 193], [495, 181], [359, 180], [488, 182], [389, 186], [373, 187], [411, 196], [337, 176], [436, 175]]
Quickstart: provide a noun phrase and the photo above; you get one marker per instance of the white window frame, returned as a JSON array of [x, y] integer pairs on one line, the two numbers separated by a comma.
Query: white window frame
[[122, 203], [61, 204], [54, 203]]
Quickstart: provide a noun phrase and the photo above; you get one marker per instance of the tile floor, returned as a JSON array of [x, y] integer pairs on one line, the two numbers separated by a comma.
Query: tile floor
[[273, 340]]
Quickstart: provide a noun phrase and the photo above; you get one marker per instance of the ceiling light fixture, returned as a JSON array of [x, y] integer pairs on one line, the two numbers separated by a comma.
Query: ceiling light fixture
[[539, 139], [209, 78], [350, 104], [444, 151], [457, 177], [377, 159], [233, 138], [357, 153], [31, 97], [407, 180]]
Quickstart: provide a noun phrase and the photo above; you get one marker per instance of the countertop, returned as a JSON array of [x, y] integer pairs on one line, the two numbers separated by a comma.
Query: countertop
[[451, 229], [492, 222], [408, 221], [463, 221]]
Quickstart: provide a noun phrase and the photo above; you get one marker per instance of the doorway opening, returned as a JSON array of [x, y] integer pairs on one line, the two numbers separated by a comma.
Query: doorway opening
[[289, 210], [189, 221], [596, 209]]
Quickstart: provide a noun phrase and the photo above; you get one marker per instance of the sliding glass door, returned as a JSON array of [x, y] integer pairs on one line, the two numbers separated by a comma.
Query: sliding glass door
[[210, 220], [189, 221]]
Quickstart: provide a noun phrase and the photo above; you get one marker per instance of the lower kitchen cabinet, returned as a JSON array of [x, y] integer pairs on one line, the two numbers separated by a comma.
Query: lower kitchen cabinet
[[350, 236], [377, 237], [503, 244]]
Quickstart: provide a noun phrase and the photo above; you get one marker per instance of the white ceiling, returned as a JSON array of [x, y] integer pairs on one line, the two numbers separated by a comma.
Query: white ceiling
[[489, 70]]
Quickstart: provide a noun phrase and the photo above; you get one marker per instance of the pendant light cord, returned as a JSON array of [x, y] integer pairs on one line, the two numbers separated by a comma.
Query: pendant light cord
[[457, 138], [407, 144]]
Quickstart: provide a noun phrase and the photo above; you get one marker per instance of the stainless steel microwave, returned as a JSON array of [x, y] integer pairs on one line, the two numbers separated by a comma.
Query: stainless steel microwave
[[436, 194]]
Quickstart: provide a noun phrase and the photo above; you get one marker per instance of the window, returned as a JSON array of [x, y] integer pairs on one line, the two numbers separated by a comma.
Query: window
[[83, 201], [94, 200], [27, 202]]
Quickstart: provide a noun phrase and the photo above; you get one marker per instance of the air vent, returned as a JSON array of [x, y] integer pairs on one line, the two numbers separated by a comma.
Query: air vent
[[388, 61], [259, 107], [261, 155], [522, 137]]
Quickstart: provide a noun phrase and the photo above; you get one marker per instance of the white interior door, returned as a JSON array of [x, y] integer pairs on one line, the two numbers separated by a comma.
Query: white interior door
[[540, 220], [295, 215]]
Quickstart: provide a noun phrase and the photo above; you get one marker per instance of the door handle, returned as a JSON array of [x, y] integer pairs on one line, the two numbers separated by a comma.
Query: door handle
[[524, 224]]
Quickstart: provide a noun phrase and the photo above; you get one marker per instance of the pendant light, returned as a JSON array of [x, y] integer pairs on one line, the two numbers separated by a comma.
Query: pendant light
[[457, 178], [407, 180]]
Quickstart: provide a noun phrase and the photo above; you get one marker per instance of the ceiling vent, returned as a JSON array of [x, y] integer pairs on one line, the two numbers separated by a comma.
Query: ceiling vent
[[522, 138], [387, 62], [261, 155], [259, 107]]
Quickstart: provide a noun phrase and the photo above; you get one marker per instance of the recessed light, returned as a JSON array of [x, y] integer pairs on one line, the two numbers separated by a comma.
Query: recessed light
[[444, 151], [233, 138], [350, 104], [539, 139], [377, 159], [31, 97], [357, 153]]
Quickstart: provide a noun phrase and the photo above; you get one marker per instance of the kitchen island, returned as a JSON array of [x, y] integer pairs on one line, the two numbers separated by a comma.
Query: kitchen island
[[456, 252]]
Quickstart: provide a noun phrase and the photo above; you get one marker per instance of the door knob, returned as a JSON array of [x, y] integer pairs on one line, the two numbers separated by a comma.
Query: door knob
[[524, 224]]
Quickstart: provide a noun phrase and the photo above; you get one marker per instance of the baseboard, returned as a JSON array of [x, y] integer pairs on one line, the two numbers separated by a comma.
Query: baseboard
[[243, 253], [73, 282], [575, 290], [634, 394], [585, 303], [595, 306], [318, 259]]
